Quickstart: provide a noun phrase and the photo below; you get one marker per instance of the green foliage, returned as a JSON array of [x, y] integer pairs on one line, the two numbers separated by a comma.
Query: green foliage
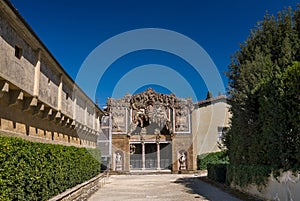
[[264, 95], [217, 172], [211, 158], [36, 171], [248, 174]]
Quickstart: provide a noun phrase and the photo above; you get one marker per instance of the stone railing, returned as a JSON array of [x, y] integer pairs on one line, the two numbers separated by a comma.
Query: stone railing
[[83, 191]]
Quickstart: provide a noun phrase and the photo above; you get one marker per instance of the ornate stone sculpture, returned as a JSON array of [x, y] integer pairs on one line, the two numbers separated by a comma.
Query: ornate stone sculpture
[[132, 149], [152, 109]]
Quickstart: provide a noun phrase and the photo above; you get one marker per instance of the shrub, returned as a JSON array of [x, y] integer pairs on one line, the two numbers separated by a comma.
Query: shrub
[[217, 172], [37, 171], [211, 158], [243, 175]]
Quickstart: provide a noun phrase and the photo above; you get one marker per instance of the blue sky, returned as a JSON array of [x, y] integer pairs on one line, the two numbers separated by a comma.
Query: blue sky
[[72, 29]]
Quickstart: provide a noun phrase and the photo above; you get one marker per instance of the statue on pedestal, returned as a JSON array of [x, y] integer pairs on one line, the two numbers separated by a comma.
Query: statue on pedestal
[[118, 162], [182, 161]]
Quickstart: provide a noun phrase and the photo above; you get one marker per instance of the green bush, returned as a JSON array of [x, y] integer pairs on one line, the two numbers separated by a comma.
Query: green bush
[[211, 158], [217, 172], [37, 171], [243, 175]]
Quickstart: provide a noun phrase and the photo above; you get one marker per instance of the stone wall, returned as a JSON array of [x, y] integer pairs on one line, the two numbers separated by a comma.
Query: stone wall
[[83, 191], [184, 143], [120, 144], [37, 97], [284, 188]]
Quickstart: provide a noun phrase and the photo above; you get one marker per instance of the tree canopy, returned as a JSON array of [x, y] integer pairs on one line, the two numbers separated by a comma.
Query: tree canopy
[[264, 92]]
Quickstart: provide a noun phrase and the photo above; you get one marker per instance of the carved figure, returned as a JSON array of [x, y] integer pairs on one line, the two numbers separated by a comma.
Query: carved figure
[[118, 158], [182, 161], [118, 162], [141, 115], [132, 149]]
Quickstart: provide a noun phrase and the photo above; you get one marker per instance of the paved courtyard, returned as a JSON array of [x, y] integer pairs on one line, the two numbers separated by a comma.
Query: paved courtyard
[[161, 187]]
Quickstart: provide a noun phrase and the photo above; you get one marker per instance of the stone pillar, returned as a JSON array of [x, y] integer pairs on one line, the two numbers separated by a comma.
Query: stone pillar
[[59, 96], [74, 104], [158, 155], [37, 72], [143, 157], [94, 118], [85, 114]]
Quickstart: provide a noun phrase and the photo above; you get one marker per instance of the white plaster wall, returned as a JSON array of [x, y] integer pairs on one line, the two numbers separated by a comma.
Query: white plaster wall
[[80, 110], [284, 188], [19, 71], [90, 115], [206, 121], [49, 82], [67, 102]]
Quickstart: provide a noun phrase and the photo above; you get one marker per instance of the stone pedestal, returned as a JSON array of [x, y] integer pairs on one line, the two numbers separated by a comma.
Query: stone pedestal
[[118, 167]]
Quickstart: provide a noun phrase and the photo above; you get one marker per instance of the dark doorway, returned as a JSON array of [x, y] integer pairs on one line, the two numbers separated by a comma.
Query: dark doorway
[[136, 157], [165, 156], [151, 156]]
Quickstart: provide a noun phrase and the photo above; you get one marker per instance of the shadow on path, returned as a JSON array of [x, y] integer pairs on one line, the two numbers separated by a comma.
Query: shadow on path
[[195, 186]]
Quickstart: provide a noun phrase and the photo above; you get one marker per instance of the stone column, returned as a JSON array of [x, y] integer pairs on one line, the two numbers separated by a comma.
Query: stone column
[[158, 155], [37, 72], [74, 104], [94, 118], [143, 157], [85, 114], [59, 95]]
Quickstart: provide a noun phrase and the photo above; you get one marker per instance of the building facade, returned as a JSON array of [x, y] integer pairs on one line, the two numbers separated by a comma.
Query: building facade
[[146, 131], [211, 119], [39, 101], [152, 131]]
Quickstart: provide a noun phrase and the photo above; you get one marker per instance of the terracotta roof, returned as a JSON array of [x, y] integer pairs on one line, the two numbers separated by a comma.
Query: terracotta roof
[[221, 98]]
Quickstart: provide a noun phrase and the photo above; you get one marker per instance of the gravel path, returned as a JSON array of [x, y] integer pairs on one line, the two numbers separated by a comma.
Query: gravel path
[[161, 187]]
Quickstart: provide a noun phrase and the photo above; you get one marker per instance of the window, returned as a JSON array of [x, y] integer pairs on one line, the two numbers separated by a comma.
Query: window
[[18, 52]]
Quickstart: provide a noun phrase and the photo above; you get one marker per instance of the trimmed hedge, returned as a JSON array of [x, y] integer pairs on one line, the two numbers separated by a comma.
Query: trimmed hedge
[[37, 171], [211, 158], [217, 172], [244, 175]]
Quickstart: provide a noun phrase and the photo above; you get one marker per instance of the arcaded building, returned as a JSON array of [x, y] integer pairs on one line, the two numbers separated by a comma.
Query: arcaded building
[[39, 101]]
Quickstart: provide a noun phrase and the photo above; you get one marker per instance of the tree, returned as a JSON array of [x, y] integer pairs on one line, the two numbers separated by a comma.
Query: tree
[[262, 90], [208, 95]]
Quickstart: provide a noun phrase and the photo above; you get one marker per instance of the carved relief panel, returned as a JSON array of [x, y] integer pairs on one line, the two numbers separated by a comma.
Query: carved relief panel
[[150, 112], [119, 120], [182, 120]]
